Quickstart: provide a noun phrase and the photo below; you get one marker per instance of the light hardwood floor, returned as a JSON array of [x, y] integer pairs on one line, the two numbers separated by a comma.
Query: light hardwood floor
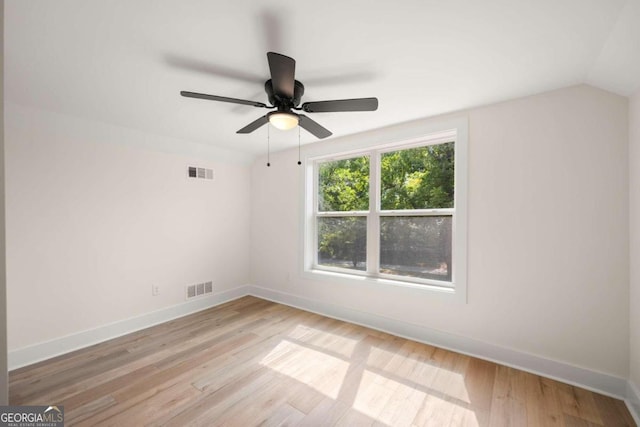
[[254, 362]]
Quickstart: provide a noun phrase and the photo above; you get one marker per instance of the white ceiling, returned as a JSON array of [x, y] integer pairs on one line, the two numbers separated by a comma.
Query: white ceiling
[[124, 61]]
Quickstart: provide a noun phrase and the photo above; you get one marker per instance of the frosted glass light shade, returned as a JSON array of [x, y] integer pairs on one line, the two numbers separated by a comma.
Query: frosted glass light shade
[[283, 121]]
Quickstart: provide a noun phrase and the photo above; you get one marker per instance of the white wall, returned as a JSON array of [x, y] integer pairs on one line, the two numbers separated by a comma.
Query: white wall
[[548, 264], [634, 247], [95, 217], [4, 392]]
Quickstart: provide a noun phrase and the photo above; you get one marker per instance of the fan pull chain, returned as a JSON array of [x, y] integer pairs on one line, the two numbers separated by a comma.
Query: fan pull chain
[[299, 162], [268, 145]]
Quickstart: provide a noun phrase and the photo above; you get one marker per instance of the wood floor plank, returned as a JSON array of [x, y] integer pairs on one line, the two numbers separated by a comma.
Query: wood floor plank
[[254, 362], [80, 401], [156, 407], [284, 415], [435, 411], [403, 405], [571, 421], [578, 403], [229, 370], [67, 389], [612, 411], [327, 412], [543, 407], [260, 406], [207, 409], [509, 404], [479, 380]]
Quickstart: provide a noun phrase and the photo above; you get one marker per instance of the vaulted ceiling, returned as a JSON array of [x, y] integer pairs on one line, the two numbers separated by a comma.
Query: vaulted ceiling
[[124, 62]]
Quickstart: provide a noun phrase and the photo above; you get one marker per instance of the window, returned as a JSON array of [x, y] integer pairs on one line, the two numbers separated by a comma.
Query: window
[[388, 213], [342, 211]]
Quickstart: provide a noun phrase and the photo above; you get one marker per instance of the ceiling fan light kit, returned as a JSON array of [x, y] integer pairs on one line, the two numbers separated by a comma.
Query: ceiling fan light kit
[[283, 120], [284, 93]]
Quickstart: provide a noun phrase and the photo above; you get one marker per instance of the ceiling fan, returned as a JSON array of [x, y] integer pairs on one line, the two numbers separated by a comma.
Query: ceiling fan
[[284, 93]]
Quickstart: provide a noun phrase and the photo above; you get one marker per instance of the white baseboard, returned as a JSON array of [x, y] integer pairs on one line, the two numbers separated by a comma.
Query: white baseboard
[[595, 381], [46, 350], [633, 401]]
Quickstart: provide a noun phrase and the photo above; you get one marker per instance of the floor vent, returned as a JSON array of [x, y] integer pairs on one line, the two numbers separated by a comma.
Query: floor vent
[[202, 173], [200, 289]]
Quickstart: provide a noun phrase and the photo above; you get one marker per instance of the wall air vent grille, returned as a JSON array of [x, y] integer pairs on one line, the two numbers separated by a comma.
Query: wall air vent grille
[[201, 173], [199, 289], [191, 291]]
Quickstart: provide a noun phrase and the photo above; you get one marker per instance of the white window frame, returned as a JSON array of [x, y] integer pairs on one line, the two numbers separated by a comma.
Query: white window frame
[[440, 133]]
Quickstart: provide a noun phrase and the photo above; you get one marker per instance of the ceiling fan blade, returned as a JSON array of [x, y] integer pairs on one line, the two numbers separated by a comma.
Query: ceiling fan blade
[[283, 71], [313, 127], [359, 104], [222, 99], [254, 125]]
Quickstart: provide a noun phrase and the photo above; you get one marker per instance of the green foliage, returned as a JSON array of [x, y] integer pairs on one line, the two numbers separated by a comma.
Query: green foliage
[[343, 239], [344, 185], [418, 178]]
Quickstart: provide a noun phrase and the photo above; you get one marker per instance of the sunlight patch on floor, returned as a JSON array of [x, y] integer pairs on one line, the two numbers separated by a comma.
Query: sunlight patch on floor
[[437, 411], [377, 395], [418, 372], [318, 370], [330, 341], [451, 384]]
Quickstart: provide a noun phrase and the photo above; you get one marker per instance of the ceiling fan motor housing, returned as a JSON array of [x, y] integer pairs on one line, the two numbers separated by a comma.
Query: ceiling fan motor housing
[[284, 103]]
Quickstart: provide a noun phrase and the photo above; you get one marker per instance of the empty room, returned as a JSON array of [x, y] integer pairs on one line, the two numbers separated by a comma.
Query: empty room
[[252, 212]]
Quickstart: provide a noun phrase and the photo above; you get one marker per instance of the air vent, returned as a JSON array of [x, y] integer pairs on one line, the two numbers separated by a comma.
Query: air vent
[[191, 291], [201, 173], [199, 289]]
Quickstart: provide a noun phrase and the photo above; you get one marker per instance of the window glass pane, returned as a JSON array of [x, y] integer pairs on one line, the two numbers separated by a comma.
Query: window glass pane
[[342, 242], [343, 185], [416, 246], [417, 178]]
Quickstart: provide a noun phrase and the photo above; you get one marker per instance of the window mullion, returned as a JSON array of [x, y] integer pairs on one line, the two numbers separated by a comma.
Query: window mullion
[[373, 221], [316, 187], [342, 213], [418, 212]]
